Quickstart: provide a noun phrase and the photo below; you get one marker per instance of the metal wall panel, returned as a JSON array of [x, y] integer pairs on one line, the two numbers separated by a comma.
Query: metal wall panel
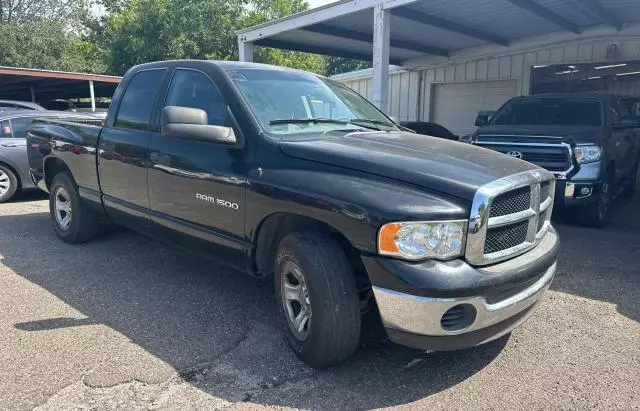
[[411, 92], [403, 93]]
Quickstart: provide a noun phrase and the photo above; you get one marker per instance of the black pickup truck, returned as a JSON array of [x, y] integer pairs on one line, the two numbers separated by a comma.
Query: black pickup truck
[[285, 173], [589, 141]]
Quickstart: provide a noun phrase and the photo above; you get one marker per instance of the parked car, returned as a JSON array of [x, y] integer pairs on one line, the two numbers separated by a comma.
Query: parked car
[[14, 165], [430, 129], [589, 141], [280, 172], [19, 105]]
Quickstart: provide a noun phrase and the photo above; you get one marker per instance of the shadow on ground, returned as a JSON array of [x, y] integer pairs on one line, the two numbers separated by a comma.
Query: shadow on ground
[[216, 327], [604, 264]]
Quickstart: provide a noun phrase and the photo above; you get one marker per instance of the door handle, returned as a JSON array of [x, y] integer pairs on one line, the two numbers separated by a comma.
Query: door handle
[[11, 145]]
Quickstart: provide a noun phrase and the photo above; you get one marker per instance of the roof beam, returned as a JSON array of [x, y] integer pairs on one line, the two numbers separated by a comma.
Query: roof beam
[[368, 38], [596, 8], [303, 19], [546, 14], [319, 50], [434, 21]]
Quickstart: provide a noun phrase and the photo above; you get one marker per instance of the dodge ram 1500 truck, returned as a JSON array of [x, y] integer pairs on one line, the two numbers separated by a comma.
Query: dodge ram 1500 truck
[[589, 141], [280, 172]]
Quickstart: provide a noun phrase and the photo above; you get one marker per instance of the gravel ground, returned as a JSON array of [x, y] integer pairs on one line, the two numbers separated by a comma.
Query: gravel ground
[[128, 322]]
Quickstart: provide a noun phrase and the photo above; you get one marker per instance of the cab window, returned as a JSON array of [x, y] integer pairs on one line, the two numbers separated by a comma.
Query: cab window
[[137, 100], [190, 88]]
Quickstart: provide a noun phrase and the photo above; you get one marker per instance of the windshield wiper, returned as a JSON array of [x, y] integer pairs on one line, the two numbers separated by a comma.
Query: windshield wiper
[[318, 120], [366, 120]]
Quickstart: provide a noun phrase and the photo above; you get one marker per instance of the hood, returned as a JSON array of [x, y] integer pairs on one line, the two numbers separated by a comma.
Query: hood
[[436, 164], [540, 134]]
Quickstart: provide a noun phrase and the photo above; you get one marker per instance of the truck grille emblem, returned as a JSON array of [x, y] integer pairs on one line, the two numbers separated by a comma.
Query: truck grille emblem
[[516, 154]]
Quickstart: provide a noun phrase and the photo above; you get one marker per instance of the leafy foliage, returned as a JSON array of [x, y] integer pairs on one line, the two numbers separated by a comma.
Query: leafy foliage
[[23, 11], [69, 35], [148, 30], [46, 45]]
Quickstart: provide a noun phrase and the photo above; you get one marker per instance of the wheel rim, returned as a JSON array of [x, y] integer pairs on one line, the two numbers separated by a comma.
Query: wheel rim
[[62, 208], [603, 205], [5, 183], [295, 298]]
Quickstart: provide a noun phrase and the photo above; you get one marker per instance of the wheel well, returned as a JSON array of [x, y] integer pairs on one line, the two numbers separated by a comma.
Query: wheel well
[[275, 227], [53, 166], [14, 171]]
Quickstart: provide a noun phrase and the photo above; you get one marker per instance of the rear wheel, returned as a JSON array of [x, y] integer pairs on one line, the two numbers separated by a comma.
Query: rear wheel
[[8, 184], [317, 299], [72, 221]]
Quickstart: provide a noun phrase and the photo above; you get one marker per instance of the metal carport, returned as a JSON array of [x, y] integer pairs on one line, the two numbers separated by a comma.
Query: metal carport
[[402, 32], [35, 85]]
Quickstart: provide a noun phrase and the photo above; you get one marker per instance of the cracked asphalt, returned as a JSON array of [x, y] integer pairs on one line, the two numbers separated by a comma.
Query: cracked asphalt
[[126, 322]]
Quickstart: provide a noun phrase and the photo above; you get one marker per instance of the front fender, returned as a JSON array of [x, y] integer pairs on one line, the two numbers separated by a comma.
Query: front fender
[[356, 205]]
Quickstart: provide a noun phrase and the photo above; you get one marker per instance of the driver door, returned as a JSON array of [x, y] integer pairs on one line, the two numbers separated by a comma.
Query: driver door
[[197, 187]]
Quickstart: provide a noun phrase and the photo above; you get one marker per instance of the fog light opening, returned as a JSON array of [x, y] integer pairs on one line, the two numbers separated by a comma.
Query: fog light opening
[[583, 191], [458, 318]]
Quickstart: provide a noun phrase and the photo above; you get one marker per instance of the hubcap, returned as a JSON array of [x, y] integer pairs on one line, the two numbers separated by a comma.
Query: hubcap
[[295, 298], [62, 208], [5, 183], [603, 205]]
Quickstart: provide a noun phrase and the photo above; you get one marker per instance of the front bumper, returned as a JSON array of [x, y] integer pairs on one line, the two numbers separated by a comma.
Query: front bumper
[[494, 299], [581, 189]]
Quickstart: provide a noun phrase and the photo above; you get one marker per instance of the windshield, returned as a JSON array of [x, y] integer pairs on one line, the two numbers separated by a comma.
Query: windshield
[[550, 112], [293, 103]]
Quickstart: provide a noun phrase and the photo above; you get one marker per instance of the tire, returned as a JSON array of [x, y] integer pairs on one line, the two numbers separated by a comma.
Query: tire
[[326, 290], [8, 184], [597, 214], [72, 221], [630, 188]]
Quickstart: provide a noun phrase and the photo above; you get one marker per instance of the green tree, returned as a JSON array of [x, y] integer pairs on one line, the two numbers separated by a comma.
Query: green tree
[[339, 65], [47, 45], [23, 11], [140, 31]]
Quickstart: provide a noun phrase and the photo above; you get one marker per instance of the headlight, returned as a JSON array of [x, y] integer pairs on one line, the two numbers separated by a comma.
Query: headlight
[[421, 240], [587, 154]]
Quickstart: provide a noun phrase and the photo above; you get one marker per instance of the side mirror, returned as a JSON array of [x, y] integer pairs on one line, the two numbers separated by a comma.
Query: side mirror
[[482, 119], [192, 124]]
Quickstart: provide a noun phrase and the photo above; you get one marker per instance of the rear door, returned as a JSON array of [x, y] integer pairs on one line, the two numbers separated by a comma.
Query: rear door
[[13, 144], [124, 145]]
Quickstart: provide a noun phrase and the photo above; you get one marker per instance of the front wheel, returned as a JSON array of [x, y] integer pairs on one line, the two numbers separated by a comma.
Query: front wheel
[[317, 299], [71, 219]]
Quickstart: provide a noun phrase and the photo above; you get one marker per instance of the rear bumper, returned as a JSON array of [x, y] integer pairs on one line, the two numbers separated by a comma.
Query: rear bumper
[[494, 301]]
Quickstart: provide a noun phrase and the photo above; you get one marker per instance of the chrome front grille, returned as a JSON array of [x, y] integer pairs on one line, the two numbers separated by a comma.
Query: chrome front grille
[[505, 237], [509, 216], [554, 157], [511, 202]]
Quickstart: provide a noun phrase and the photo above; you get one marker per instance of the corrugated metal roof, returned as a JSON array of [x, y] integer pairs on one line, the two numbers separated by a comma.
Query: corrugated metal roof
[[346, 27]]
